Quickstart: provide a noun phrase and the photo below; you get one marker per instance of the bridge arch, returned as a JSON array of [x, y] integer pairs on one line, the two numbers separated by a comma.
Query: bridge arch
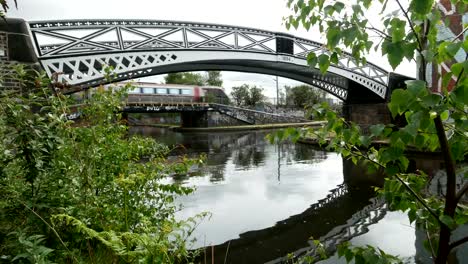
[[136, 48]]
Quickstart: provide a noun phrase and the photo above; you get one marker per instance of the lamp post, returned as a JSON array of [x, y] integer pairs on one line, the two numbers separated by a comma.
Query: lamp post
[[277, 92]]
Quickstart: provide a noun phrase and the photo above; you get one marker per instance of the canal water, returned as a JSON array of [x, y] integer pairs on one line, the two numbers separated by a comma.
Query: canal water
[[267, 200]]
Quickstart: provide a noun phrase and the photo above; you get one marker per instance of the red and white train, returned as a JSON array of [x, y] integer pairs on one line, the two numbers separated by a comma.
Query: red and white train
[[170, 93], [192, 92]]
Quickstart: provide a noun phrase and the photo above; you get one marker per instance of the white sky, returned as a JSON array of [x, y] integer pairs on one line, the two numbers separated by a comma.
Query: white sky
[[261, 14]]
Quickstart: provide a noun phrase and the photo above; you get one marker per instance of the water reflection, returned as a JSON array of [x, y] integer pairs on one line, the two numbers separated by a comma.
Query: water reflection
[[266, 200], [245, 150], [247, 183]]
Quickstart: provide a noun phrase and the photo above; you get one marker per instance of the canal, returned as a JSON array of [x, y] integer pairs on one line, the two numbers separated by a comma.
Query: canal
[[267, 200]]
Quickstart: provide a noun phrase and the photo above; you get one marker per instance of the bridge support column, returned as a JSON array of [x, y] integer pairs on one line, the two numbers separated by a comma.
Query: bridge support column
[[367, 109], [194, 119], [15, 47], [366, 115]]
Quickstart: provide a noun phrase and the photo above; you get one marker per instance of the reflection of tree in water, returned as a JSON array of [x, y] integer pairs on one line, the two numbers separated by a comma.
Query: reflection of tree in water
[[246, 149], [301, 153], [250, 151]]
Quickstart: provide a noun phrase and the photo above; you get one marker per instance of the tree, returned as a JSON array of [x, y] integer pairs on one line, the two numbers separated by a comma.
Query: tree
[[409, 32], [304, 95], [240, 94], [213, 78], [255, 96], [188, 78], [246, 95]]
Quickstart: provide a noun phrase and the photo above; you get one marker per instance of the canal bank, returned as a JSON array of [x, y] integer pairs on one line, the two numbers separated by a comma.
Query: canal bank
[[178, 128]]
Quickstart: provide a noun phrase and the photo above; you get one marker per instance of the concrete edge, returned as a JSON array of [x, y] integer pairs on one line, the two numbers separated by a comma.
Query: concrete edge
[[249, 127]]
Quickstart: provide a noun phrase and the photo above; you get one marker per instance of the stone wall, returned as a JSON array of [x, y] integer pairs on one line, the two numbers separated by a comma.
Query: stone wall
[[15, 47], [216, 119]]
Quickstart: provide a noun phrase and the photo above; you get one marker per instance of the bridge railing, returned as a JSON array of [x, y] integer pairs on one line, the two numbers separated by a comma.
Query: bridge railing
[[255, 117]]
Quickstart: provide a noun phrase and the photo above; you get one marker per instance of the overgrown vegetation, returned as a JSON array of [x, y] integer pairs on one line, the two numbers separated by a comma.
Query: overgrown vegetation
[[84, 192], [435, 121]]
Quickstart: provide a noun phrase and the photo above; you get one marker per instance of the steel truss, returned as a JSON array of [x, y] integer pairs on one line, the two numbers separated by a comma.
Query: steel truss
[[76, 50]]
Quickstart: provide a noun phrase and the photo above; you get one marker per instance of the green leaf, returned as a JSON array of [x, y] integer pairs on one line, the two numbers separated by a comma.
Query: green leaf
[[431, 100], [334, 58], [366, 3], [459, 95], [421, 7], [444, 115], [339, 6], [399, 102], [417, 88], [458, 67], [333, 37], [446, 79], [376, 130], [312, 59], [357, 9], [397, 29], [453, 48], [395, 52], [324, 62], [409, 49], [448, 221]]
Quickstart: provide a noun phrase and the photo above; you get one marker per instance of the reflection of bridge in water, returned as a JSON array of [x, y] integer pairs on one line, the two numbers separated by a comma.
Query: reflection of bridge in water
[[345, 213]]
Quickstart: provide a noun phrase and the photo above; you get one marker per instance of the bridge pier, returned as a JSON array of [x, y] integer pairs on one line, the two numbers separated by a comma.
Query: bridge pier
[[194, 119], [366, 115], [15, 47], [367, 109]]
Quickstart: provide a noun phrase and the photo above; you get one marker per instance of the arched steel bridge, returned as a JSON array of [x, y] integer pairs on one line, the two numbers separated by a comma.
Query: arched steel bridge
[[77, 49]]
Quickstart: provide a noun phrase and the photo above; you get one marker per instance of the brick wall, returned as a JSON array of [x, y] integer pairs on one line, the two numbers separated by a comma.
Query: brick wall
[[367, 115]]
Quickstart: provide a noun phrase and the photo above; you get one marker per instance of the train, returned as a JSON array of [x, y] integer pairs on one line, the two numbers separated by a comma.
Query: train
[[193, 93], [147, 91]]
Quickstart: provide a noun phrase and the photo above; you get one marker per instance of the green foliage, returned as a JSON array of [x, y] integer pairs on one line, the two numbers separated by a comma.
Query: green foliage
[[434, 122], [84, 192], [188, 78], [246, 95], [213, 78], [304, 95], [34, 252], [366, 255]]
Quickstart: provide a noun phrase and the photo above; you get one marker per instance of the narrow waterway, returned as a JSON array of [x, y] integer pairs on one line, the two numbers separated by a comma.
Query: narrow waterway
[[266, 200]]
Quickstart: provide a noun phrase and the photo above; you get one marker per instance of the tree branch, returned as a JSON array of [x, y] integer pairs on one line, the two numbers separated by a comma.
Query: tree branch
[[459, 35], [382, 34], [421, 48], [430, 242], [410, 190], [458, 243]]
